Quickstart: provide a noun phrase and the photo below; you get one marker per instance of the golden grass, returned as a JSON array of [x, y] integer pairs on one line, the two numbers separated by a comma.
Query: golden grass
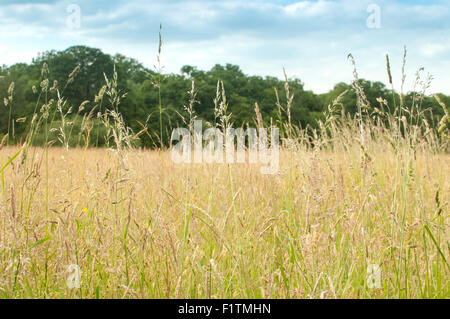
[[162, 230]]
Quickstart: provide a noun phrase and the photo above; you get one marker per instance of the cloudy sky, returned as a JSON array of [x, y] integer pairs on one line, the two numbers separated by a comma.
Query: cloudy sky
[[311, 39]]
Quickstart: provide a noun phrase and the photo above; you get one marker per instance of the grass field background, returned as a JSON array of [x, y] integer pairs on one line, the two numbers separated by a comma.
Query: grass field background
[[143, 227]]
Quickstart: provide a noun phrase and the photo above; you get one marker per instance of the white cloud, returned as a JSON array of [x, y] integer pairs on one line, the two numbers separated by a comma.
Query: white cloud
[[433, 49], [311, 9], [310, 38]]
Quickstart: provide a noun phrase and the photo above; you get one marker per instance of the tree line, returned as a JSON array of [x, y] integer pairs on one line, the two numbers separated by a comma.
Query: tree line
[[154, 103]]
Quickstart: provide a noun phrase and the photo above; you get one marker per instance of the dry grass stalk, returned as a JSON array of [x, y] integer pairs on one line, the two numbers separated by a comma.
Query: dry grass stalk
[[3, 142], [13, 202], [259, 118]]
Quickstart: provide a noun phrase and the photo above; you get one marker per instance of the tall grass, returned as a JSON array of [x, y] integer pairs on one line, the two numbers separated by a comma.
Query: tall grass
[[355, 191]]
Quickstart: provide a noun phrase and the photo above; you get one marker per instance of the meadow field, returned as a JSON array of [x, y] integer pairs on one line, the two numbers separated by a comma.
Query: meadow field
[[139, 226], [358, 208]]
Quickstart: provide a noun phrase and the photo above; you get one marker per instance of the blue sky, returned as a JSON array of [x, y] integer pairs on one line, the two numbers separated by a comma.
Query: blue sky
[[311, 39]]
